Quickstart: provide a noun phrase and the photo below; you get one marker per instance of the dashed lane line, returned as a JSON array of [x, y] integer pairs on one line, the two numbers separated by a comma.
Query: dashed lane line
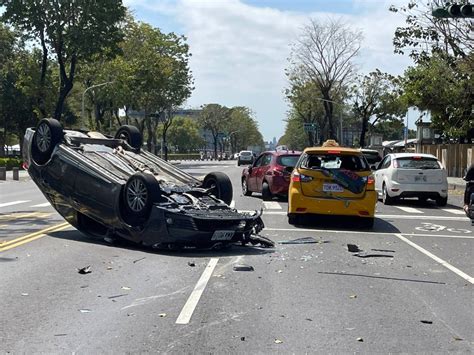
[[6, 204], [408, 209], [188, 309], [437, 259], [271, 205]]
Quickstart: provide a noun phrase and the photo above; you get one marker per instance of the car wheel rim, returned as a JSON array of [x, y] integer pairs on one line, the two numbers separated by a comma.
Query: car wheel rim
[[137, 195], [43, 138]]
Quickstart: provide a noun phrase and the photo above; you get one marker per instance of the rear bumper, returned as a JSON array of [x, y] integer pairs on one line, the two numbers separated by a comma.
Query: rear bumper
[[364, 207], [418, 190], [279, 185]]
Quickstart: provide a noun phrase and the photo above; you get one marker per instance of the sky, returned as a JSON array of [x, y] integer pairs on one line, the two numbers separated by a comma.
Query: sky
[[240, 47]]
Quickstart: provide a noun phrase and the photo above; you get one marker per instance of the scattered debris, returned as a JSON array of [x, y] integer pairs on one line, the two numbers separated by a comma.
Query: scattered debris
[[353, 296], [278, 341], [126, 288], [306, 257], [60, 335], [191, 263], [162, 315], [280, 271], [84, 286], [457, 338], [350, 328], [130, 314], [353, 248], [85, 311], [309, 319], [84, 270], [360, 339], [136, 261], [373, 255], [242, 338], [242, 267], [117, 296], [426, 321], [384, 250], [306, 240], [109, 267]]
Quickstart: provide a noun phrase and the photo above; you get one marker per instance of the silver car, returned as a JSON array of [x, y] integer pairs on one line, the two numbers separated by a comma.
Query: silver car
[[404, 175]]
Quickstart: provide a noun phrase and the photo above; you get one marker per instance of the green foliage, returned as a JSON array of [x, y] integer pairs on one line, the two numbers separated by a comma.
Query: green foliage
[[444, 88], [294, 137], [184, 135], [10, 163], [391, 129], [242, 129]]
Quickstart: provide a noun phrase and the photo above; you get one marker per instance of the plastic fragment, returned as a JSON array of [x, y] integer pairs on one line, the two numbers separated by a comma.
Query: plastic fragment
[[136, 261], [243, 267], [126, 288], [278, 341], [85, 311], [353, 248], [25, 294], [162, 315], [360, 339], [353, 296], [84, 270], [426, 321], [191, 263]]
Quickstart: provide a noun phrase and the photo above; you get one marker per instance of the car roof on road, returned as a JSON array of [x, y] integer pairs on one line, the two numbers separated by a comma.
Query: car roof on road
[[343, 150]]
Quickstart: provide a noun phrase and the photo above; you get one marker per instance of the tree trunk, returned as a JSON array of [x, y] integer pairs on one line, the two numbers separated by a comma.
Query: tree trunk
[[150, 134], [363, 131], [44, 68], [66, 85]]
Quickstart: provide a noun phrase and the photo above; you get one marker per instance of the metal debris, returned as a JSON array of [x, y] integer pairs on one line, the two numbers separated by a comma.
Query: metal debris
[[353, 248], [306, 240], [85, 311], [360, 339], [191, 263], [242, 267], [136, 261], [84, 270], [278, 341], [426, 321], [384, 250]]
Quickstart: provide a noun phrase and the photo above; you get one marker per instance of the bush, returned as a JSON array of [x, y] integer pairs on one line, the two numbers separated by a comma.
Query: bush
[[189, 156], [10, 163]]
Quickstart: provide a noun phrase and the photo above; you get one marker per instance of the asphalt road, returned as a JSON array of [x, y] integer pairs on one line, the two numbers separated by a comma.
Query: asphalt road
[[409, 290]]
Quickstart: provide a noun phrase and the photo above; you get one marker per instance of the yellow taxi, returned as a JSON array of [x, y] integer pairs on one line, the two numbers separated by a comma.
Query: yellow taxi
[[332, 180]]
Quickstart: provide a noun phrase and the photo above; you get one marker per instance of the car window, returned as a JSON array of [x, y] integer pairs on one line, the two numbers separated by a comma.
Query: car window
[[417, 162], [288, 160], [334, 161], [258, 162], [372, 158], [267, 159], [245, 153], [385, 163]]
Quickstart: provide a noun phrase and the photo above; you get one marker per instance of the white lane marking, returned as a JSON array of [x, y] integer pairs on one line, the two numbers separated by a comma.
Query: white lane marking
[[453, 211], [46, 204], [394, 216], [437, 259], [408, 209], [271, 205], [266, 229], [188, 309], [13, 203], [232, 204]]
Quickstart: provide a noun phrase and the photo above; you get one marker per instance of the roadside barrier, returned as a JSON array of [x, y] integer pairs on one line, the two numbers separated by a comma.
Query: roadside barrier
[[3, 173]]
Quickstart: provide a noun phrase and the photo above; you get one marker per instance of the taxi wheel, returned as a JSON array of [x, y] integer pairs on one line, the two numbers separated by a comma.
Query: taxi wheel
[[294, 219], [387, 200], [368, 223], [266, 193]]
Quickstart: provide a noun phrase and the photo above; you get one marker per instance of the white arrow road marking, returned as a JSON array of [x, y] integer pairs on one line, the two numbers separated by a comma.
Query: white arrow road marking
[[408, 209], [188, 309], [437, 259], [13, 203]]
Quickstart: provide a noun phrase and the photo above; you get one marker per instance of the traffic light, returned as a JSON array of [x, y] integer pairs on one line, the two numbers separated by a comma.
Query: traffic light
[[454, 11]]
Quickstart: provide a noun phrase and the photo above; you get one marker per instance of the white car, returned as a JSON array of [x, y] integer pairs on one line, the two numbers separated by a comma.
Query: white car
[[245, 157], [403, 175]]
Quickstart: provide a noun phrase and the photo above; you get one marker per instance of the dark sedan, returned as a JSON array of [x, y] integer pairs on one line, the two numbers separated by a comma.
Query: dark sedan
[[110, 187], [270, 174]]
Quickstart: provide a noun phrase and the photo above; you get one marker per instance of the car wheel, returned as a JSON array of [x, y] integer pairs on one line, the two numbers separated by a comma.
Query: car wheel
[[131, 135], [442, 201], [141, 191], [294, 219], [386, 199], [238, 163], [266, 193], [422, 200], [48, 134], [220, 185], [245, 188]]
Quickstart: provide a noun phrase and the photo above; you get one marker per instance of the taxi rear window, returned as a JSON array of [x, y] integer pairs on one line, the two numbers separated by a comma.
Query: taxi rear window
[[317, 161]]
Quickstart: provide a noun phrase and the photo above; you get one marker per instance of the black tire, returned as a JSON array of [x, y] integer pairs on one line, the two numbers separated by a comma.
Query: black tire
[[294, 219], [220, 185], [141, 191], [131, 135], [48, 135], [245, 188], [442, 201], [238, 163], [423, 200], [386, 199], [266, 193]]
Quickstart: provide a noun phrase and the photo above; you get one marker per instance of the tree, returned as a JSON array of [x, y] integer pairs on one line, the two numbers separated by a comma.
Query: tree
[[425, 35], [377, 97], [242, 129], [213, 118], [184, 134], [292, 137], [74, 31], [323, 55]]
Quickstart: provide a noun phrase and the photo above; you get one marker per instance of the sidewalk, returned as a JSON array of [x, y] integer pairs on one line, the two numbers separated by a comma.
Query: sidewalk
[[455, 183]]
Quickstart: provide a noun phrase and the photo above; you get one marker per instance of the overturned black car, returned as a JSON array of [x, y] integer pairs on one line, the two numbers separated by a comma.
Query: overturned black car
[[109, 187]]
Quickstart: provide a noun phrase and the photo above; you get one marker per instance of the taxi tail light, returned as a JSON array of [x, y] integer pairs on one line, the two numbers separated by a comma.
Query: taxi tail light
[[295, 177], [370, 180], [24, 165]]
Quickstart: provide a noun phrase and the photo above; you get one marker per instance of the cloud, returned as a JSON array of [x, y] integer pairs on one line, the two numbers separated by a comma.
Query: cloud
[[239, 51]]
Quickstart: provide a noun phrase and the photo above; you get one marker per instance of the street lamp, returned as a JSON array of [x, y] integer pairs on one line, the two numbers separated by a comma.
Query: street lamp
[[91, 87]]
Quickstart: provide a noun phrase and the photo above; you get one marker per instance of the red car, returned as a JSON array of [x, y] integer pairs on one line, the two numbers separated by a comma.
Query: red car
[[270, 173]]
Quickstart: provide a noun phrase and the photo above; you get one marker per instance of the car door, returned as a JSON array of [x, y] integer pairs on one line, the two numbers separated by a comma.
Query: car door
[[381, 172], [252, 180], [262, 169]]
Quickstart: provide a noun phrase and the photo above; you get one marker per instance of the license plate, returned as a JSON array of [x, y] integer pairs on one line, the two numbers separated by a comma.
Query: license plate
[[222, 235], [332, 188], [420, 178]]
